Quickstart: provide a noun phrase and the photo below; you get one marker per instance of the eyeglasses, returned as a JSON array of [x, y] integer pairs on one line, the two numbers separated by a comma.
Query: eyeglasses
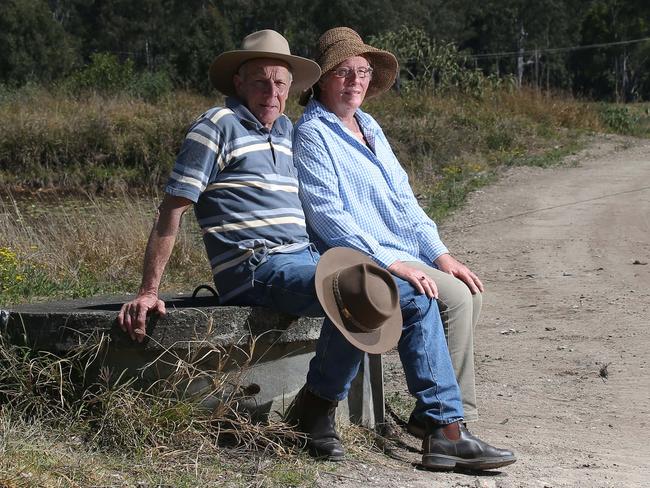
[[345, 72]]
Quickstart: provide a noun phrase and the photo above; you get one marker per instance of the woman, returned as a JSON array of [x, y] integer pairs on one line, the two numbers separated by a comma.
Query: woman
[[356, 194]]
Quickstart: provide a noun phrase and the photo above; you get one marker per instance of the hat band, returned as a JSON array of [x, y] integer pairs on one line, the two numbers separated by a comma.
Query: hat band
[[344, 310]]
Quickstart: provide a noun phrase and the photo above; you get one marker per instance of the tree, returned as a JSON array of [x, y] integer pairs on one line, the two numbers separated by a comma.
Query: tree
[[33, 46], [618, 72]]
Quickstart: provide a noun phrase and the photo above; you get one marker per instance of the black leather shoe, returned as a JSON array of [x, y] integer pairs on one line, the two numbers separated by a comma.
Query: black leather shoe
[[314, 416], [416, 427], [446, 447]]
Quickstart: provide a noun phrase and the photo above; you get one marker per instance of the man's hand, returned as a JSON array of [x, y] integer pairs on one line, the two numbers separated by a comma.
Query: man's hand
[[418, 278], [451, 265], [132, 318]]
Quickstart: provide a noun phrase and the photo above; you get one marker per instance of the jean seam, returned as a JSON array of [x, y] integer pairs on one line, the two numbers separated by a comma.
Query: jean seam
[[431, 372], [443, 420], [272, 287]]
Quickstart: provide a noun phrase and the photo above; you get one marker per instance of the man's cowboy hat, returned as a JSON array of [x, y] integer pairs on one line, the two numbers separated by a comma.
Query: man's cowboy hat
[[266, 44], [340, 43], [361, 299]]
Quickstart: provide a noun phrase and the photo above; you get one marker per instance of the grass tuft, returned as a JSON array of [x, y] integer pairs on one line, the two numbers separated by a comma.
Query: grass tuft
[[59, 410]]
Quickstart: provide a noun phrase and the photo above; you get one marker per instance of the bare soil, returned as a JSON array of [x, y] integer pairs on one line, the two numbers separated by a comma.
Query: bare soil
[[562, 347]]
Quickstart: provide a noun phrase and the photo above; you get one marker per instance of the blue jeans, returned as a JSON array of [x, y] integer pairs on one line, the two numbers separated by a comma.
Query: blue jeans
[[285, 282]]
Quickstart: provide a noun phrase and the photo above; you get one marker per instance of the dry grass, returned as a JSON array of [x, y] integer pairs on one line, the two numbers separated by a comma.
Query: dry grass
[[91, 143], [80, 246], [109, 144], [71, 247], [72, 421]]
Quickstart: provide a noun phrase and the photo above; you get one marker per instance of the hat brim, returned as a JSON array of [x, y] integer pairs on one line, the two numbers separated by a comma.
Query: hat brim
[[376, 342], [305, 72]]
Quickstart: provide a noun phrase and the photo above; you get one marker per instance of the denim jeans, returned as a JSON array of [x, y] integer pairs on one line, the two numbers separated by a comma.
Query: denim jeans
[[285, 282]]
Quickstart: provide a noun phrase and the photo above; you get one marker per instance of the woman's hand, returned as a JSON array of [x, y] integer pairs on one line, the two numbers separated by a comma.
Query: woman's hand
[[451, 265], [418, 278]]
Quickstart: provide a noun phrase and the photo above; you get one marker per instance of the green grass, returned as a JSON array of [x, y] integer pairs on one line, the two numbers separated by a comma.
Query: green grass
[[631, 119]]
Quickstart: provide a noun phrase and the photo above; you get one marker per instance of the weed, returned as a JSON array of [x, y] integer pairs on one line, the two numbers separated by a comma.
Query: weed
[[105, 74], [401, 404], [619, 118], [631, 119], [60, 410]]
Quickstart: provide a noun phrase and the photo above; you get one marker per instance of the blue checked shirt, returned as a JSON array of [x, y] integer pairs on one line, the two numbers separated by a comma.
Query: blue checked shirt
[[358, 196]]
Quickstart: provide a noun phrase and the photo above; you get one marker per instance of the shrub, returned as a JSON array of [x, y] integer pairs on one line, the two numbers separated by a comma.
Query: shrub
[[619, 118], [106, 75], [430, 64]]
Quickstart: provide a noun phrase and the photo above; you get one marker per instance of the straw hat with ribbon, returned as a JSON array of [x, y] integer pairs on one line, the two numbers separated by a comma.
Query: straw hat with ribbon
[[360, 298], [266, 44], [338, 44]]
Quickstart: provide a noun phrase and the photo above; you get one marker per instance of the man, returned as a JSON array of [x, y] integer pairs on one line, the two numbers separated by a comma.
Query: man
[[235, 167]]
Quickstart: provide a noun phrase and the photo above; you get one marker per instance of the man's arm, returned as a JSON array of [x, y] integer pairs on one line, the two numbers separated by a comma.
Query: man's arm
[[133, 315]]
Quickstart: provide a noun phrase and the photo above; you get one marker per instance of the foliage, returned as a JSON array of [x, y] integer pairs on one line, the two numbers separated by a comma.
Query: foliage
[[621, 72], [619, 118], [44, 40], [428, 64], [33, 47], [106, 75]]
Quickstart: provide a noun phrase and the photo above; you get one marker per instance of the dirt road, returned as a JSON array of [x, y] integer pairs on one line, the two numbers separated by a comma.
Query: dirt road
[[563, 345]]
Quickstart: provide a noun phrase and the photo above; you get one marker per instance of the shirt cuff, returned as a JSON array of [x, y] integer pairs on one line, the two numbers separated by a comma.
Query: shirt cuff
[[384, 258], [434, 250]]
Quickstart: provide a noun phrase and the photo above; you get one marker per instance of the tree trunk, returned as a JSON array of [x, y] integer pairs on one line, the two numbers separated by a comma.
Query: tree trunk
[[520, 56]]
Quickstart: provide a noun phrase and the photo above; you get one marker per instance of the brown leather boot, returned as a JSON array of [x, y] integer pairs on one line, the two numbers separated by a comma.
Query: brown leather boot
[[446, 447], [314, 416]]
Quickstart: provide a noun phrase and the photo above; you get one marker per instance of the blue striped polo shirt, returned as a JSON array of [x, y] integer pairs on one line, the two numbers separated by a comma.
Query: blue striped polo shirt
[[241, 178]]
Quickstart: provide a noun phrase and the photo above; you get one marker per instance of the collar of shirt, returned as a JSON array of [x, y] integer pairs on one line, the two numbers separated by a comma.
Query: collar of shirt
[[315, 109], [247, 118]]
